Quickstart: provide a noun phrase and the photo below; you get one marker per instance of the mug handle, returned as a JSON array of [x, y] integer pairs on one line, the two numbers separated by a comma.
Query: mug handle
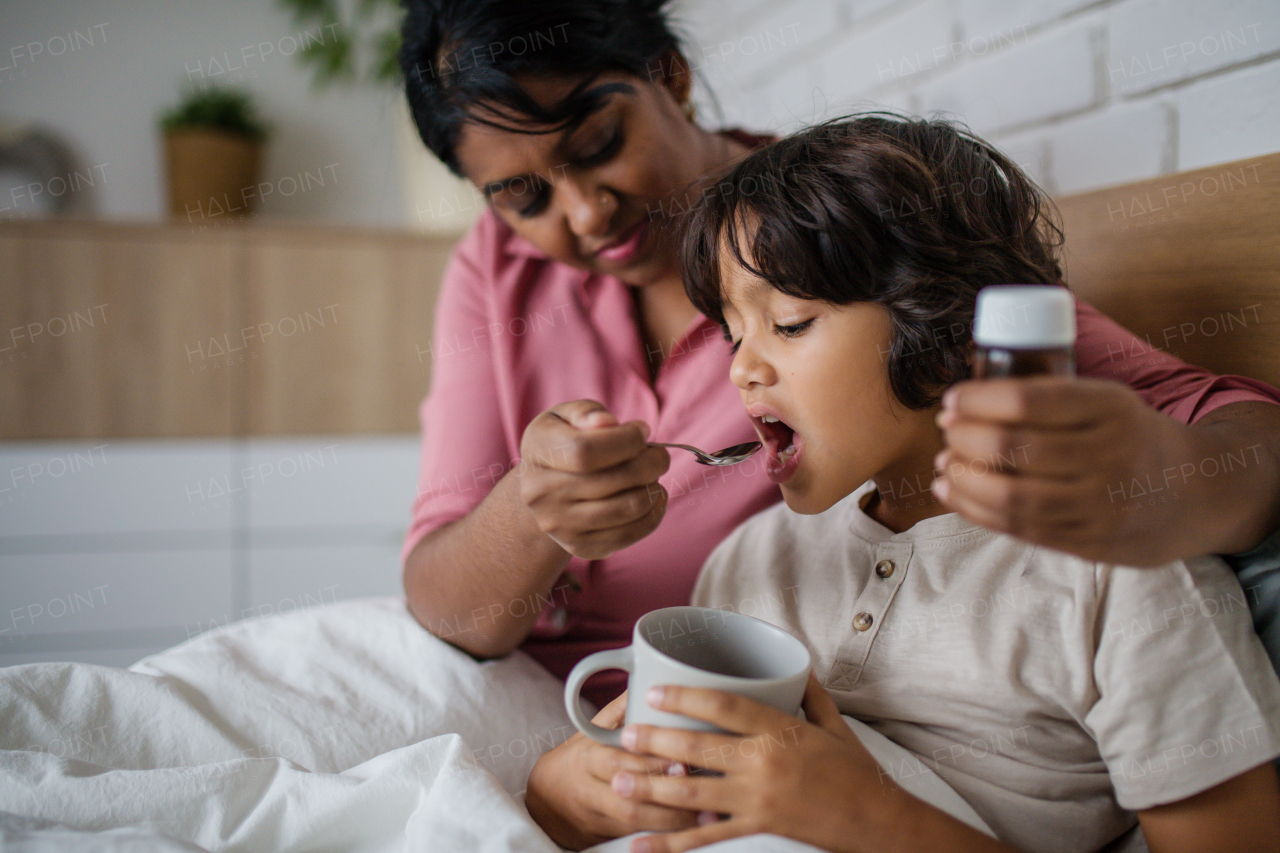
[[587, 667]]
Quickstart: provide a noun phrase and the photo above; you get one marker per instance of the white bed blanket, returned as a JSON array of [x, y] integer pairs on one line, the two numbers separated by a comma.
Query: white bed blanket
[[344, 728]]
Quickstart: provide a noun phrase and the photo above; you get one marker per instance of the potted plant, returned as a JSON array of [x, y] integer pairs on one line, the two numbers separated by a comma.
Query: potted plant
[[213, 151]]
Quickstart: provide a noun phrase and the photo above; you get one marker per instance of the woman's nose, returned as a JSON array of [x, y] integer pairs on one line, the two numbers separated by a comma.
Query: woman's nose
[[588, 208]]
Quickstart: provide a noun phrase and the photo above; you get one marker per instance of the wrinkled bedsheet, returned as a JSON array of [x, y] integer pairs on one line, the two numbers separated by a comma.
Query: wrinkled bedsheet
[[344, 728]]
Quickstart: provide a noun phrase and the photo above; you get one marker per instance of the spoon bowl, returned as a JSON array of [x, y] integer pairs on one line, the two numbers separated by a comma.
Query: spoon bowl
[[728, 456]]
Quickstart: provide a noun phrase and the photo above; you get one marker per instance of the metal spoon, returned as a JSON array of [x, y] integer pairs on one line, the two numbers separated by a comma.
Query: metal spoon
[[728, 456]]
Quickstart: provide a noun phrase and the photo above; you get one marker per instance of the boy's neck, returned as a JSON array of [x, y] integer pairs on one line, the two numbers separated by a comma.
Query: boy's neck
[[902, 496]]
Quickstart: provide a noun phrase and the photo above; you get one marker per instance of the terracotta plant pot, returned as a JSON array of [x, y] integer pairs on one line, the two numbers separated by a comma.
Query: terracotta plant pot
[[212, 174]]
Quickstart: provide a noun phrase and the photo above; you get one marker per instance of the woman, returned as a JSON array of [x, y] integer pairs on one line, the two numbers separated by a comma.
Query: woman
[[565, 341]]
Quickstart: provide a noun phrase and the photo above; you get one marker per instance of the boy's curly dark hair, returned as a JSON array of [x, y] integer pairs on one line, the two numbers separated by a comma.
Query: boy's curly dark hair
[[912, 214]]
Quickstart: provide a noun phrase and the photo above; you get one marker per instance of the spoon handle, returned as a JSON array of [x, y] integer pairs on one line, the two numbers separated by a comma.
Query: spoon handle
[[693, 450]]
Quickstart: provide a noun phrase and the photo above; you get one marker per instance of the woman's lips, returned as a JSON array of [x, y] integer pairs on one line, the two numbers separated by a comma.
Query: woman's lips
[[627, 246]]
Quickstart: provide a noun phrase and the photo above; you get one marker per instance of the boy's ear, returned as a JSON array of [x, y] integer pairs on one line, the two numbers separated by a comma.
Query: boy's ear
[[672, 72]]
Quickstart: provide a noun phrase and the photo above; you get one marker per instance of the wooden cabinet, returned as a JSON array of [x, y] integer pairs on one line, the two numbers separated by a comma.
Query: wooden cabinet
[[118, 330]]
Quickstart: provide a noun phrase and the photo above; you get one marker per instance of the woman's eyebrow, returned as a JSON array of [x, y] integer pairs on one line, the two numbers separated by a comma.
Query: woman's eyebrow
[[492, 188], [489, 189]]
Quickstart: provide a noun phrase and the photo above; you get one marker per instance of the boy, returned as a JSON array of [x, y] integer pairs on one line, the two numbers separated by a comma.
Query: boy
[[1077, 706]]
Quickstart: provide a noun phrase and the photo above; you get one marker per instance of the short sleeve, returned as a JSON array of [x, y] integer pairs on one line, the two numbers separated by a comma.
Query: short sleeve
[[1186, 697], [1184, 392], [464, 451]]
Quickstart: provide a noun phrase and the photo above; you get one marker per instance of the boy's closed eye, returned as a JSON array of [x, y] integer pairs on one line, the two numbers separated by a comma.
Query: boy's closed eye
[[793, 330], [789, 331]]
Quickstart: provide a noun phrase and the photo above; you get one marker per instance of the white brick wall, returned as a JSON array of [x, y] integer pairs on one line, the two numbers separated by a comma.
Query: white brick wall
[[1157, 43], [1083, 93], [1127, 142], [1050, 75], [891, 52], [1229, 117], [987, 16]]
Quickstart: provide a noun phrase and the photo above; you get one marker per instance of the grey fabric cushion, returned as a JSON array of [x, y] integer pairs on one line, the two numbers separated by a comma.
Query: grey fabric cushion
[[1259, 574]]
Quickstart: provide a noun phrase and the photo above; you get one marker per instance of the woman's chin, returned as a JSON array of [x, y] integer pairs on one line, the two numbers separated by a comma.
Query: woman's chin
[[656, 263]]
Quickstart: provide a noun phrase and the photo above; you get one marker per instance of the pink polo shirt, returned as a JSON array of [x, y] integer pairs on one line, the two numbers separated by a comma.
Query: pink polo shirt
[[516, 333]]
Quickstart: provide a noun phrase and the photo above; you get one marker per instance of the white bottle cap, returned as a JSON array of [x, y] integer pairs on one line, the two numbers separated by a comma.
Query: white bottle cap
[[1030, 316]]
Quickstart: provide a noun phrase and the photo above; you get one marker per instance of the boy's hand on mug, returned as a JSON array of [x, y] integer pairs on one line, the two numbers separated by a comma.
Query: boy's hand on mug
[[570, 797], [811, 780], [1052, 461], [590, 482]]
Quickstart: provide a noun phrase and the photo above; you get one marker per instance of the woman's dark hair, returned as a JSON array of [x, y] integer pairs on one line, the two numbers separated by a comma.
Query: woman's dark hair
[[914, 215], [457, 54]]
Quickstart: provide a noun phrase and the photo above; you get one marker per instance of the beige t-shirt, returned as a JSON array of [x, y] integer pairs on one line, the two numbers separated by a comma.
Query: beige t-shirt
[[1055, 694]]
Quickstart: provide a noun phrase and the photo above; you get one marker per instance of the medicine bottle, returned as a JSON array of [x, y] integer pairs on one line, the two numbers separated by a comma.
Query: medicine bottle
[[1024, 330]]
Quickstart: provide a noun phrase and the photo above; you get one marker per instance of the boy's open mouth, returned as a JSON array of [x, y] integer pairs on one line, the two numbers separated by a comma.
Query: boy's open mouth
[[783, 445], [778, 437]]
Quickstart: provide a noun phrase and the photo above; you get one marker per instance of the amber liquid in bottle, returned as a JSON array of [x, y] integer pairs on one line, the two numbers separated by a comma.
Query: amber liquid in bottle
[[999, 363]]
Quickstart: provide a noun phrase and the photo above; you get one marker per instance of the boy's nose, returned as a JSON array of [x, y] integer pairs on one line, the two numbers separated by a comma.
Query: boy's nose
[[748, 368]]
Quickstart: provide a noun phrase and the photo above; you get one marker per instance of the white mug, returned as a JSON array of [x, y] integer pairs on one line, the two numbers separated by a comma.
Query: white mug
[[696, 647]]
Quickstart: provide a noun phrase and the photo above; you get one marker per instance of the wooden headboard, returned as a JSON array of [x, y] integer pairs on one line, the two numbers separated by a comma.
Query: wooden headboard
[[1190, 262]]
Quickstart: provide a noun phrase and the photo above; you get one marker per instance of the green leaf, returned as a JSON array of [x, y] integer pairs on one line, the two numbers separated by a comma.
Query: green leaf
[[330, 60], [306, 10], [386, 65]]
